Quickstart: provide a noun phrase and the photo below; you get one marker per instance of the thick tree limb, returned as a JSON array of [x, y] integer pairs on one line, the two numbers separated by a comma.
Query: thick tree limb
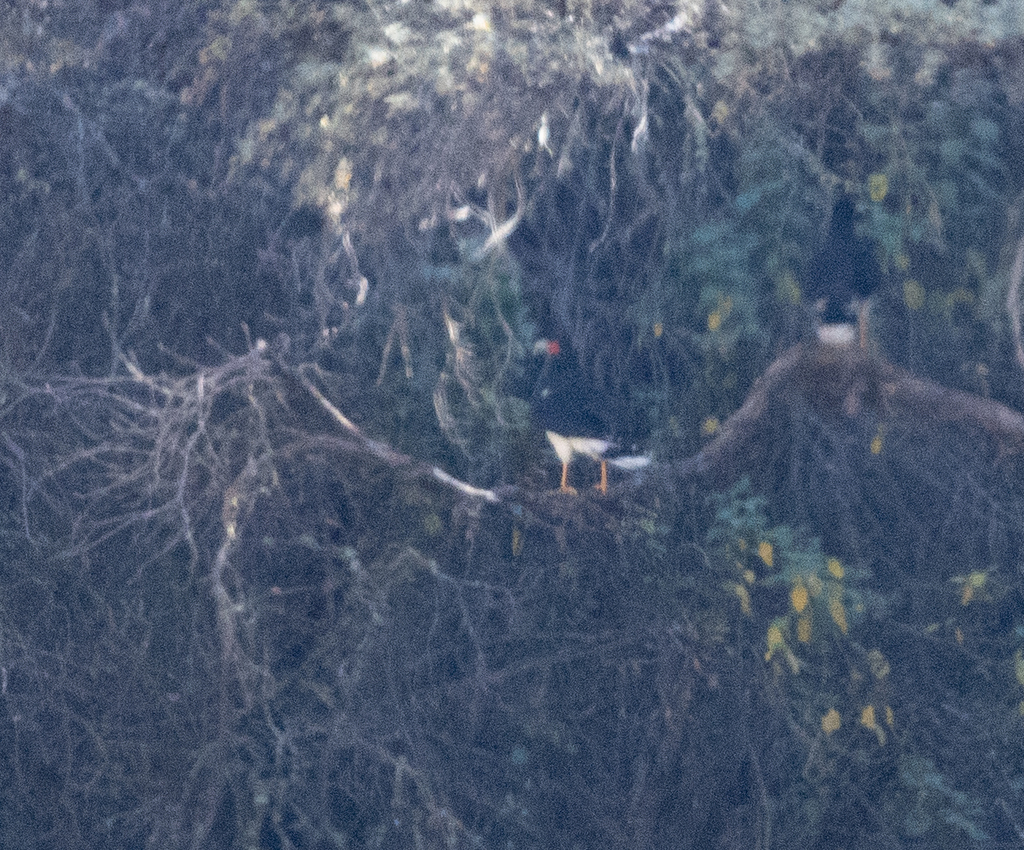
[[390, 456], [844, 381], [837, 381]]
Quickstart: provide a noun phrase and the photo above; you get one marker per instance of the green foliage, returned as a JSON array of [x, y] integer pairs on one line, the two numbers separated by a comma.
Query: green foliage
[[739, 514], [804, 592], [706, 304], [838, 656], [384, 664], [945, 165], [431, 102], [488, 348], [800, 28], [777, 188], [929, 808]]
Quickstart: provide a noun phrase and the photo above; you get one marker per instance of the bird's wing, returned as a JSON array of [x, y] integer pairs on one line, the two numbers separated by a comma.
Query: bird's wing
[[630, 463], [562, 445], [590, 446]]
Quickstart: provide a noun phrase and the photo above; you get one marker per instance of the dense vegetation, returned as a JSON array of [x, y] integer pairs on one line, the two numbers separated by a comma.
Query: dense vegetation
[[281, 564]]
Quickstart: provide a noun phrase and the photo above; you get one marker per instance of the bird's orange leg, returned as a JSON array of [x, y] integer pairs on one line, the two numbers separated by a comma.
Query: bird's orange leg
[[564, 486], [602, 487]]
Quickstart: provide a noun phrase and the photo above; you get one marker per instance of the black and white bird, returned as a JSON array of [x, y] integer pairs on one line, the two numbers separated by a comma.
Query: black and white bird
[[843, 275], [563, 404]]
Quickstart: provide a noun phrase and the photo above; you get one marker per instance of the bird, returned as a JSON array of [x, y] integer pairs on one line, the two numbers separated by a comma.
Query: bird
[[843, 275], [563, 404]]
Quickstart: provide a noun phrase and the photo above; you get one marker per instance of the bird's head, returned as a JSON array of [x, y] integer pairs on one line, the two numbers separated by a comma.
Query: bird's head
[[547, 348]]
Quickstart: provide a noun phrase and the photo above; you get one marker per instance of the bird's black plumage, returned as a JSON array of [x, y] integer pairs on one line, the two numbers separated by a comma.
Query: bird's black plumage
[[565, 405], [844, 269], [563, 400]]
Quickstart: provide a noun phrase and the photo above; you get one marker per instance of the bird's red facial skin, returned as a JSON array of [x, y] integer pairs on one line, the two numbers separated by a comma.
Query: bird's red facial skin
[[554, 348]]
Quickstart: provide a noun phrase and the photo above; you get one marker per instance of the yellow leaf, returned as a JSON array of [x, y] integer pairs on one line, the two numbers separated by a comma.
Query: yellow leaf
[[890, 718], [798, 596], [838, 612], [803, 629], [876, 444], [878, 186], [777, 643], [517, 542], [879, 665], [831, 721], [1018, 666], [913, 294], [971, 584], [765, 552], [867, 717], [787, 288], [744, 597], [835, 568]]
